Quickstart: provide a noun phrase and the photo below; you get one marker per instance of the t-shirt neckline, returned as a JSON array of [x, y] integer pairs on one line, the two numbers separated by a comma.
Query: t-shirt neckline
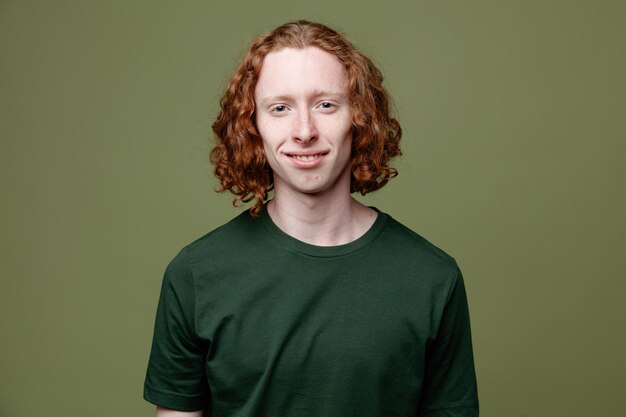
[[296, 245]]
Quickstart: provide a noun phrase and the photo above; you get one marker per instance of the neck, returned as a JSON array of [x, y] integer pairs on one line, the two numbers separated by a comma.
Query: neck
[[322, 220]]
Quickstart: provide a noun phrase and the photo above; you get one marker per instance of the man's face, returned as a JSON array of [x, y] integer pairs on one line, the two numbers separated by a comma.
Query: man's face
[[303, 116]]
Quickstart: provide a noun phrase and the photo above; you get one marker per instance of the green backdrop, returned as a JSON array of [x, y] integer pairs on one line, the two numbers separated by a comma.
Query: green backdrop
[[514, 117]]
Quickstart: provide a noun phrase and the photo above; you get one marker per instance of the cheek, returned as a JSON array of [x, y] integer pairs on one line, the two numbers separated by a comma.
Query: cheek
[[348, 148], [266, 137], [261, 128], [269, 132], [269, 155], [344, 155], [348, 138]]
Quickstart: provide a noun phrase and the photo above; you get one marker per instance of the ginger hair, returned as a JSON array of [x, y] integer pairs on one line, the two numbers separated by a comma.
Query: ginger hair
[[238, 157]]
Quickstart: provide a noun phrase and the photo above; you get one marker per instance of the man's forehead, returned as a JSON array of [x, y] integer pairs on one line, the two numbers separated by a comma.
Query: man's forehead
[[303, 72]]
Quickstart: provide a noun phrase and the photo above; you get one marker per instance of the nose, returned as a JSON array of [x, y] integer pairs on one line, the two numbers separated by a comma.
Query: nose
[[304, 130]]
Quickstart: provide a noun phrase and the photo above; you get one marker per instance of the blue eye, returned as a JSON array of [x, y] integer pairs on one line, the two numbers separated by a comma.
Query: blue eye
[[326, 105], [280, 109]]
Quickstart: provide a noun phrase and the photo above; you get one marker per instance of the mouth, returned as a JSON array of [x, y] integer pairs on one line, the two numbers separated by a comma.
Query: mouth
[[306, 158]]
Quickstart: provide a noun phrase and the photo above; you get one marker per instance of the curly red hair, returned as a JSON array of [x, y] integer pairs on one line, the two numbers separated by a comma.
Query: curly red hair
[[239, 159]]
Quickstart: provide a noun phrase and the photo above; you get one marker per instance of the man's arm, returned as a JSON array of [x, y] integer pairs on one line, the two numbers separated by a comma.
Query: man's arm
[[166, 412], [176, 379], [449, 375]]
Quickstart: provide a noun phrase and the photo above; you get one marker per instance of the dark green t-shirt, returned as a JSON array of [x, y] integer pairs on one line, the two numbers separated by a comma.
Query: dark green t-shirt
[[252, 322]]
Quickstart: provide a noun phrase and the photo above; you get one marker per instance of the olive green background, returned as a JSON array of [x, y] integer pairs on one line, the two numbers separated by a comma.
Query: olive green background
[[514, 117]]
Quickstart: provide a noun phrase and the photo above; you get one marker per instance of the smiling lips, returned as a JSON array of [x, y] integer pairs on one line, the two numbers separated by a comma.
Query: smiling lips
[[307, 160]]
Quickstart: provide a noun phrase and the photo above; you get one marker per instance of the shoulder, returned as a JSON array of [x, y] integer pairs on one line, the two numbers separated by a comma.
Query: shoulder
[[234, 231], [220, 245], [413, 241], [415, 253]]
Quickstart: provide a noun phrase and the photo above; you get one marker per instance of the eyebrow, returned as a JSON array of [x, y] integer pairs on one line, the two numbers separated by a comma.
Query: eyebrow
[[313, 95]]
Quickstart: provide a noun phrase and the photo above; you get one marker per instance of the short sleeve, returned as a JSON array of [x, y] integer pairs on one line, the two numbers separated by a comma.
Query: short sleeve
[[450, 380], [176, 375]]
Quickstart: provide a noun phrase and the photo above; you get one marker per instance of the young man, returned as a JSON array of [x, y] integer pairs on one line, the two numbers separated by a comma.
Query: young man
[[310, 304]]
